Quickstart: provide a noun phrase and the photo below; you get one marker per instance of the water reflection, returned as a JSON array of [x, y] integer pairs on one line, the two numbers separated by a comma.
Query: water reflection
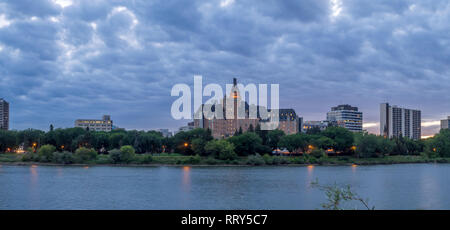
[[415, 186], [186, 178]]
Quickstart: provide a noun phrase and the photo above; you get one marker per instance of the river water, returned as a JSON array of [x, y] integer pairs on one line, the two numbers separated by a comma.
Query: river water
[[405, 186]]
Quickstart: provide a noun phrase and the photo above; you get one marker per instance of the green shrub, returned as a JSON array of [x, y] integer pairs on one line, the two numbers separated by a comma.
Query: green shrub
[[125, 155], [128, 153], [84, 155], [147, 159], [220, 149], [255, 160], [46, 153], [267, 159], [63, 157], [279, 160], [194, 159], [103, 159], [114, 155], [30, 157], [317, 153], [211, 161]]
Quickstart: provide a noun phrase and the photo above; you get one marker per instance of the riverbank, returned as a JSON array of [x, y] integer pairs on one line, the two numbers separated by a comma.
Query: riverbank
[[178, 160]]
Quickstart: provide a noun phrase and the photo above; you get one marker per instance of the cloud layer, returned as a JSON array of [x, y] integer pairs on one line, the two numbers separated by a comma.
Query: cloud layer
[[67, 59]]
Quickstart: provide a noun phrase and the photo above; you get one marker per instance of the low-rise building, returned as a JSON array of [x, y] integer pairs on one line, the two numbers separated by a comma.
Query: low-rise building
[[105, 124], [321, 125], [165, 132]]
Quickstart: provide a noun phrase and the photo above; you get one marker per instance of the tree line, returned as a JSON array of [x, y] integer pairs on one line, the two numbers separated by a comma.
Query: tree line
[[335, 140]]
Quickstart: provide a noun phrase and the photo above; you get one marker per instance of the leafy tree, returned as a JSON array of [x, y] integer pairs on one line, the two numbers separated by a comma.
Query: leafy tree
[[274, 137], [439, 144], [368, 145], [313, 131], [247, 144], [46, 153], [83, 154], [116, 140], [125, 155], [250, 128], [317, 153], [294, 142], [337, 195], [323, 142], [342, 137], [64, 157], [263, 134], [221, 149], [7, 140]]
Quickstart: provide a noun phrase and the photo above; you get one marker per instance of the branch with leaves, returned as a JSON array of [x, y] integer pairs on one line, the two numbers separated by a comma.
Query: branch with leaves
[[336, 195]]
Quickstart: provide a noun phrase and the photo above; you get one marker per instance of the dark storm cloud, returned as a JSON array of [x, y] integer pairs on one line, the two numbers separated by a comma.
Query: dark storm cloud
[[90, 58]]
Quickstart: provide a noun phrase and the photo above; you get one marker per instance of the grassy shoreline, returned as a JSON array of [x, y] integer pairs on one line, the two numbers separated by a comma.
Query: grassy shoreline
[[177, 160]]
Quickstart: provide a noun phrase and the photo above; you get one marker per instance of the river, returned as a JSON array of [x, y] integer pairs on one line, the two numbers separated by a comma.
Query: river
[[402, 186]]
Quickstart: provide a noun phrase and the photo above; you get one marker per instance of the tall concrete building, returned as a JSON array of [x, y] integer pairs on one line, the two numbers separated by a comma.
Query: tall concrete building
[[445, 124], [396, 122], [105, 124], [4, 114], [346, 116]]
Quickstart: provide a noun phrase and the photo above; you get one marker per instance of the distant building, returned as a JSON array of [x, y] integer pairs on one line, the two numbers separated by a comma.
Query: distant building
[[300, 124], [346, 116], [445, 124], [233, 121], [105, 124], [165, 132], [321, 125], [288, 121], [4, 114], [190, 126], [396, 122]]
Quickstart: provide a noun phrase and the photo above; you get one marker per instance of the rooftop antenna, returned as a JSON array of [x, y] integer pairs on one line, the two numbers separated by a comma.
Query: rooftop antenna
[[234, 81]]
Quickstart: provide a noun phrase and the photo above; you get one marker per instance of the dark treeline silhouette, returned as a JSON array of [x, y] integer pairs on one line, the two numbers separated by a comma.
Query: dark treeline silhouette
[[332, 141]]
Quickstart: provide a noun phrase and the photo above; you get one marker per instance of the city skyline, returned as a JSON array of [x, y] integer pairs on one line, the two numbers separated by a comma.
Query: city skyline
[[122, 58]]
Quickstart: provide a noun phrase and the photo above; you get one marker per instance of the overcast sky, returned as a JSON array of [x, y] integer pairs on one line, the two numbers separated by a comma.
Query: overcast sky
[[61, 60]]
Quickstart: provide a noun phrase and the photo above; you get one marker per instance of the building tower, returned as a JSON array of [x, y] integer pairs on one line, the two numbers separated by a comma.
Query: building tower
[[4, 114], [396, 122]]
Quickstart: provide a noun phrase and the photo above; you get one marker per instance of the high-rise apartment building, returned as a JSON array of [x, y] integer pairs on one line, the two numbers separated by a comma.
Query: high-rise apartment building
[[346, 116], [445, 124], [396, 122], [4, 114], [105, 124]]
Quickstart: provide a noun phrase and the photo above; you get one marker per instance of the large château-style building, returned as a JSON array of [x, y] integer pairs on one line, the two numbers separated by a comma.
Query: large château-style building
[[238, 117]]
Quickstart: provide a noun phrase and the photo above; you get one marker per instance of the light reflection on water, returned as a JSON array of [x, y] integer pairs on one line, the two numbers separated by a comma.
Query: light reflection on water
[[409, 186]]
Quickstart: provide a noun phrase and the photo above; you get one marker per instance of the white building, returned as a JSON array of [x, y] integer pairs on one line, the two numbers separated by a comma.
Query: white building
[[346, 116], [105, 124], [396, 122]]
